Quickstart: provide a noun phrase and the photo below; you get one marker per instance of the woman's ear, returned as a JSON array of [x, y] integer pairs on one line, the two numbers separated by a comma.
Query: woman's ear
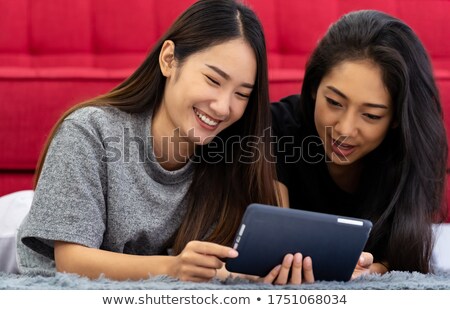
[[167, 58]]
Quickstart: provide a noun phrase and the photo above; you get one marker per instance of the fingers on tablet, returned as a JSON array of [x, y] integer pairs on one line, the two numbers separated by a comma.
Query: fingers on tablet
[[214, 249], [365, 260], [283, 277], [296, 272], [293, 270], [273, 274], [308, 274]]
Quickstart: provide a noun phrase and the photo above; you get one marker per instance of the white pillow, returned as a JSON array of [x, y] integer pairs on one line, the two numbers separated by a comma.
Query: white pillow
[[441, 251], [13, 209]]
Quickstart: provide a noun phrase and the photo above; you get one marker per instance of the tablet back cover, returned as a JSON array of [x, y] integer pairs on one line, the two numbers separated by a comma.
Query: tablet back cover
[[268, 233]]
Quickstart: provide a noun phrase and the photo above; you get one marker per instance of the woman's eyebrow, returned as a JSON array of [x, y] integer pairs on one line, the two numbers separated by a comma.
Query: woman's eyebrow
[[226, 76], [367, 104], [337, 91], [375, 105]]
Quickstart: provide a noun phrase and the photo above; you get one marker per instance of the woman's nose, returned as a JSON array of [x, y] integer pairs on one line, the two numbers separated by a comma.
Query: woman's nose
[[221, 107], [346, 125]]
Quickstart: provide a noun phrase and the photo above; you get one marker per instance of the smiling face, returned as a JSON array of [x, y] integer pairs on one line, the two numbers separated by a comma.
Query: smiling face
[[208, 92], [353, 111]]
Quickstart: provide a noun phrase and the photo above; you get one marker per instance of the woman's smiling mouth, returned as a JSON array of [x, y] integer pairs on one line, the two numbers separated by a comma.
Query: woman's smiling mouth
[[342, 149], [205, 120]]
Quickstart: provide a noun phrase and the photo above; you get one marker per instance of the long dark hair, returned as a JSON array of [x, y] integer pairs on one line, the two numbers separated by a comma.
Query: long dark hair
[[219, 192], [404, 178]]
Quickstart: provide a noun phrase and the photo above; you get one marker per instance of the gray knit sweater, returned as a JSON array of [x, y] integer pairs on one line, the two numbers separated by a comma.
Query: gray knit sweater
[[102, 187]]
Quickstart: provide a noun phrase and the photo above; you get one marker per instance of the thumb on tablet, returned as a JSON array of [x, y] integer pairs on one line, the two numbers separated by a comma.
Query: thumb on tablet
[[209, 248], [365, 260]]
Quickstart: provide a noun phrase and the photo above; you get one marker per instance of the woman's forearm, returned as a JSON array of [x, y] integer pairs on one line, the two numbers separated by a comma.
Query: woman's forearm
[[92, 263]]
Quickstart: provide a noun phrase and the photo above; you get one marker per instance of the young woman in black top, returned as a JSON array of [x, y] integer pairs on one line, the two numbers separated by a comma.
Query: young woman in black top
[[366, 137]]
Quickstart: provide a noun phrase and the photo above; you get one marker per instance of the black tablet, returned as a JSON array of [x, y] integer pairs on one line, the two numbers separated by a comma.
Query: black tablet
[[268, 233]]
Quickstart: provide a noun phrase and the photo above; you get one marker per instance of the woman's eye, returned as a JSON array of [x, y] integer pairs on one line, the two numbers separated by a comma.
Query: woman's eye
[[333, 102], [212, 80], [372, 117], [243, 95]]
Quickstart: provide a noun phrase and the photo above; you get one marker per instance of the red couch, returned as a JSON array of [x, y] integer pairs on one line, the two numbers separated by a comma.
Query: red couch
[[55, 53]]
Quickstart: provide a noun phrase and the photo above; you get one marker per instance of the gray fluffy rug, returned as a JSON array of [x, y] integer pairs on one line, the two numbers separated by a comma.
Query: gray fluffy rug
[[393, 280]]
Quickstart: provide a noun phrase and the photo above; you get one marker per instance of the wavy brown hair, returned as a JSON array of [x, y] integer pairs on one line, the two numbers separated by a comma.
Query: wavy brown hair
[[220, 191]]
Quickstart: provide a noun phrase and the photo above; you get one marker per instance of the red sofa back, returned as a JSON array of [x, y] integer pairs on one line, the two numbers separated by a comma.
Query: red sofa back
[[55, 53], [117, 34], [83, 33]]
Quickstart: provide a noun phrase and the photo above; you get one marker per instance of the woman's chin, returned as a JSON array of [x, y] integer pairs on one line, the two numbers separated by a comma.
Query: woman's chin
[[204, 140]]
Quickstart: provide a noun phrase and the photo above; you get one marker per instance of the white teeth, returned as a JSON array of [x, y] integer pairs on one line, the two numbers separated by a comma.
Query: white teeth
[[342, 145], [206, 119]]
